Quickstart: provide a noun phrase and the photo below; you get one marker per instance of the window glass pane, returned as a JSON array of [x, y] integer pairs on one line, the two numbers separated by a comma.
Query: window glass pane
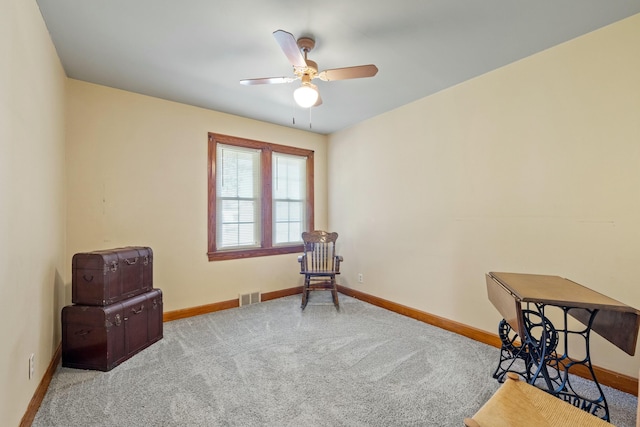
[[245, 235], [295, 230], [229, 235], [288, 232], [295, 211], [281, 232], [281, 213], [228, 210]]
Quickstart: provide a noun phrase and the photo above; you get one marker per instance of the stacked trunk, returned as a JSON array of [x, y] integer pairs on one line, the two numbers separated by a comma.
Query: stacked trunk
[[115, 312]]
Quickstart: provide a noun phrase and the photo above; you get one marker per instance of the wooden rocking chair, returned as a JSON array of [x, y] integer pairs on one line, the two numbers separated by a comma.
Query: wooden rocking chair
[[319, 264]]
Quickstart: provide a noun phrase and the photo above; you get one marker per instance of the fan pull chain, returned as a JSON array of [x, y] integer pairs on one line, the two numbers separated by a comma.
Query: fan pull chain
[[310, 117]]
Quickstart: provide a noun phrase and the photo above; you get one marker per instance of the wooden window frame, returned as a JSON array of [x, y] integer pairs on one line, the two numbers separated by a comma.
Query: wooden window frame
[[266, 149]]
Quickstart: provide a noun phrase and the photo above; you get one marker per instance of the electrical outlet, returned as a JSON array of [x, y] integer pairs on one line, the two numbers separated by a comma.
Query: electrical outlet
[[32, 365], [360, 278]]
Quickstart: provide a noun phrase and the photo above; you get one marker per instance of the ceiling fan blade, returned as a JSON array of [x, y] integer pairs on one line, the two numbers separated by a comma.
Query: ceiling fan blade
[[348, 73], [289, 46], [267, 81]]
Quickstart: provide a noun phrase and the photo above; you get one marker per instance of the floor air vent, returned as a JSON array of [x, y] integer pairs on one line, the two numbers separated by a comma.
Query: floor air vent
[[252, 298]]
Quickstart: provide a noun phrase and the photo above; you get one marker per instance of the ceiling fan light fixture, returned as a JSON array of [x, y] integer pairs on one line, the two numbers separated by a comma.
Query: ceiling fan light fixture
[[306, 95]]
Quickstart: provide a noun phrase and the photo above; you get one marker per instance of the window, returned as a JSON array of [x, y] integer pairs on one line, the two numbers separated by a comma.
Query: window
[[260, 197]]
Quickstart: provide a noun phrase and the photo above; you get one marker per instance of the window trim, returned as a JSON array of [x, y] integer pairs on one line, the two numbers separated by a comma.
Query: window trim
[[267, 247]]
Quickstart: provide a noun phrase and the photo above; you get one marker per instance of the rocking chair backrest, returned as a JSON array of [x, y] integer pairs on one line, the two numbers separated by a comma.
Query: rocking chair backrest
[[319, 250]]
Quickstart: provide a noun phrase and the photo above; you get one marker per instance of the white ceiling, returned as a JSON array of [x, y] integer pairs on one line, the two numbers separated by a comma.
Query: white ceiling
[[196, 51]]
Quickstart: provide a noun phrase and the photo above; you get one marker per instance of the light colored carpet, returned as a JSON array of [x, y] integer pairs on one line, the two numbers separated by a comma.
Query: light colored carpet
[[271, 364]]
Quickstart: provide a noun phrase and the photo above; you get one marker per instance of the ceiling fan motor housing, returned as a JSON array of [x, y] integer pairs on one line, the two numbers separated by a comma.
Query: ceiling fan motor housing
[[306, 44]]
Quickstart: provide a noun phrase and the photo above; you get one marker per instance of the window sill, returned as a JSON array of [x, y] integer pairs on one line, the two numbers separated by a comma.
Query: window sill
[[252, 253]]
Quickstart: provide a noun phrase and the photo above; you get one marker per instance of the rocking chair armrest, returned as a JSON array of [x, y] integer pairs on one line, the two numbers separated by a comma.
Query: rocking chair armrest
[[302, 261], [339, 259]]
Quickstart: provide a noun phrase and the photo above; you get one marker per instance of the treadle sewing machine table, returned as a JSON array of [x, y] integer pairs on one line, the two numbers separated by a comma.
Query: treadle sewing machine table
[[531, 343]]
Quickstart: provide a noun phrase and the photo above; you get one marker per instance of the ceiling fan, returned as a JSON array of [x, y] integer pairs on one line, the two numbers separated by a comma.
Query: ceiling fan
[[306, 70]]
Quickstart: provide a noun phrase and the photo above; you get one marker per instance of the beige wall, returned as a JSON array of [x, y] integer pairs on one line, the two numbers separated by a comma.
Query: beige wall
[[532, 168], [32, 203], [137, 175]]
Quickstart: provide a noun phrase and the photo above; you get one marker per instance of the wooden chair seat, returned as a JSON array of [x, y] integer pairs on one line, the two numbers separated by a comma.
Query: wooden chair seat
[[518, 404]]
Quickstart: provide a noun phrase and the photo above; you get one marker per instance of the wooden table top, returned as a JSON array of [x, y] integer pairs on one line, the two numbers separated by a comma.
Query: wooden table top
[[616, 322], [556, 290]]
